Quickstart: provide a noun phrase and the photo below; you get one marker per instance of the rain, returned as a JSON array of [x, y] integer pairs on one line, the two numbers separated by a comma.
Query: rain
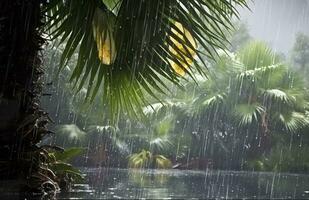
[[160, 99]]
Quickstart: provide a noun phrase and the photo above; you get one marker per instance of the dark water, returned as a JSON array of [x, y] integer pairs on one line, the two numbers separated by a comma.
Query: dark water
[[106, 183]]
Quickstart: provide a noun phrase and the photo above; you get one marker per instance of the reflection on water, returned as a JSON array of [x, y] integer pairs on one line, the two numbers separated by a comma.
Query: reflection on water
[[175, 184]]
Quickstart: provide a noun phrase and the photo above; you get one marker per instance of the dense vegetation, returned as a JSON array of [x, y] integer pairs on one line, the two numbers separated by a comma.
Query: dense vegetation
[[138, 87], [120, 51], [250, 113]]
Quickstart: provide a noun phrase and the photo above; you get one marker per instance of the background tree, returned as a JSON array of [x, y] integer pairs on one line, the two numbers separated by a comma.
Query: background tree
[[239, 37], [250, 100], [220, 122], [125, 48], [166, 51], [300, 53]]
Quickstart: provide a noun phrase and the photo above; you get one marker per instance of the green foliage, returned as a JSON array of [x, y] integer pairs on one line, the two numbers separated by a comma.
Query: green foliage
[[164, 126], [245, 93], [248, 96], [146, 159], [160, 144], [259, 88], [70, 132], [109, 135], [141, 37], [294, 121], [68, 154], [277, 95], [247, 114], [162, 162], [235, 113], [140, 160], [283, 159], [257, 54], [300, 54], [58, 162], [70, 135], [63, 170]]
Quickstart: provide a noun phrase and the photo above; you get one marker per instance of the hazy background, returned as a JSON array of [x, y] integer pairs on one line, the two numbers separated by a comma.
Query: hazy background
[[277, 21]]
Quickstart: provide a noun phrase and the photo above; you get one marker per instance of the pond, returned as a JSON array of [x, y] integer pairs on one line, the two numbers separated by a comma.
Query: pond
[[108, 183]]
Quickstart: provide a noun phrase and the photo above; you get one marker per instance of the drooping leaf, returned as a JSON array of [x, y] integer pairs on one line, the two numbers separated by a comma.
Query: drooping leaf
[[68, 154], [124, 48]]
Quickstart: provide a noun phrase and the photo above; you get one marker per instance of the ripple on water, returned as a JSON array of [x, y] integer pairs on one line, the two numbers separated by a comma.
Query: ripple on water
[[189, 184]]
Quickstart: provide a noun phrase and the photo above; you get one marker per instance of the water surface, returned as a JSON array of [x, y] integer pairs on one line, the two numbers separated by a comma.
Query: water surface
[[105, 183]]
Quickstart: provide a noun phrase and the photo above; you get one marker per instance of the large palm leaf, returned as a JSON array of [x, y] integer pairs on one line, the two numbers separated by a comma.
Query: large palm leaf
[[293, 121], [127, 48], [247, 114]]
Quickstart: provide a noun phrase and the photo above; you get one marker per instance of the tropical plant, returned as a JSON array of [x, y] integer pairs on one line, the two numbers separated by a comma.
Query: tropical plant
[[146, 159], [105, 146], [299, 55], [300, 51], [112, 53], [23, 123], [65, 173], [108, 139], [125, 48], [282, 159], [248, 97], [69, 135]]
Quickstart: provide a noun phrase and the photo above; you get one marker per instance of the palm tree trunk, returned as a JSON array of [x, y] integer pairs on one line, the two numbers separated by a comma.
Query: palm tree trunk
[[265, 143], [22, 122]]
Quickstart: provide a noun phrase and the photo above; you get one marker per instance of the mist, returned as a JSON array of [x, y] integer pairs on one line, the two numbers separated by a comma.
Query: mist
[[277, 21]]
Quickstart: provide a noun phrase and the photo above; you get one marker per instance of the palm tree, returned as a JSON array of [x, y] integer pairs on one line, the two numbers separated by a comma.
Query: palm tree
[[146, 159], [23, 123], [151, 139], [131, 48], [254, 94], [124, 49]]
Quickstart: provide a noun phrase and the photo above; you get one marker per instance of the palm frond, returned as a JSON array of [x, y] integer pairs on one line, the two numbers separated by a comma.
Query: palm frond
[[110, 134], [215, 100], [277, 96], [156, 108], [257, 54], [62, 169], [208, 103], [71, 131], [68, 154], [101, 129], [160, 144], [294, 121], [140, 160], [261, 66], [266, 77], [146, 158], [247, 114], [131, 50], [162, 162]]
